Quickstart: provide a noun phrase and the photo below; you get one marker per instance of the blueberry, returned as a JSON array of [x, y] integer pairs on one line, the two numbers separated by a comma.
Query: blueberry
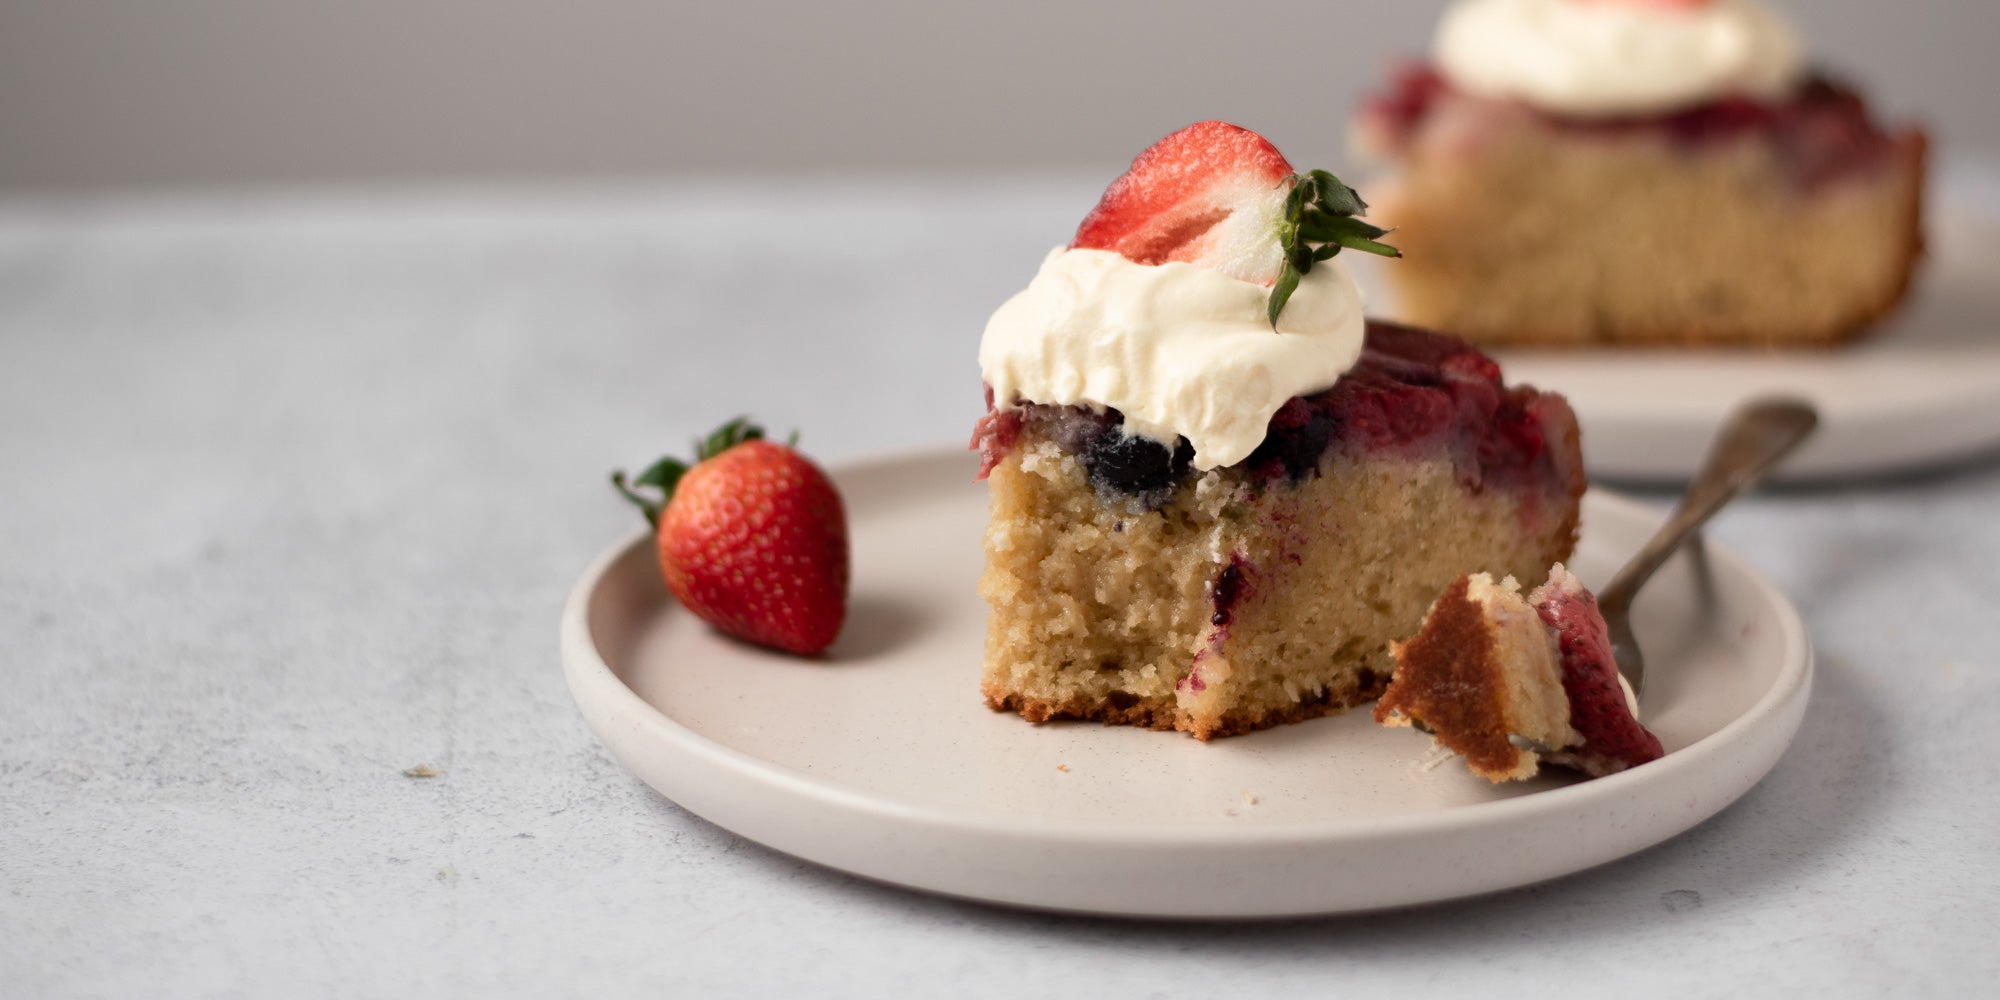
[[1137, 468], [1297, 449]]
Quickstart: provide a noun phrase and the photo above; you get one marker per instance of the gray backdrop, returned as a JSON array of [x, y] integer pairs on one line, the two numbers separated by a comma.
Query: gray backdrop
[[121, 93]]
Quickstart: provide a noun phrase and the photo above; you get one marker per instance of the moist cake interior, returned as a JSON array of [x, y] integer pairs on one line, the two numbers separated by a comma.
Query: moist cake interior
[[1128, 587]]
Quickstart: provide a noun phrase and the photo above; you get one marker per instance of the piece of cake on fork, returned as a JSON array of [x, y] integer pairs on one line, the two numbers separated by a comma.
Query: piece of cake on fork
[[1217, 491], [1508, 682]]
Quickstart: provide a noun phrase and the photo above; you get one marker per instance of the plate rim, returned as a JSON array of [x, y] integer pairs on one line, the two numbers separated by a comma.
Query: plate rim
[[605, 699]]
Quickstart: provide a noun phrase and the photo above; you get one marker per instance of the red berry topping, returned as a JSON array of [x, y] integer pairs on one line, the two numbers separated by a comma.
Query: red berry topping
[[1597, 708], [1221, 196], [1211, 194]]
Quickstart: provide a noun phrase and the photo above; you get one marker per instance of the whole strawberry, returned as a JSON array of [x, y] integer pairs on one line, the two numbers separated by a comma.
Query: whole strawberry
[[752, 537]]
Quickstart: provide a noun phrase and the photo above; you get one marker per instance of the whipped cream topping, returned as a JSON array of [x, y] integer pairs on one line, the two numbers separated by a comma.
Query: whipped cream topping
[[1606, 58], [1179, 349]]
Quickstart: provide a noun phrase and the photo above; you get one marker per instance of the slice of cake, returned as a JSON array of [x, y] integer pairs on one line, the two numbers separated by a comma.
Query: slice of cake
[[1509, 682], [1579, 172], [1217, 492]]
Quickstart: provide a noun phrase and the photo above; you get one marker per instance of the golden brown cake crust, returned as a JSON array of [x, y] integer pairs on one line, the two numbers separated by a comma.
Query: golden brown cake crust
[[1914, 246], [1447, 678], [1148, 713], [1160, 713]]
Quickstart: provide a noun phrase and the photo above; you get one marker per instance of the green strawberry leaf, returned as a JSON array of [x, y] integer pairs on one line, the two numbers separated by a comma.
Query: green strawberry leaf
[[727, 436], [1281, 293], [663, 476], [1319, 222], [649, 506]]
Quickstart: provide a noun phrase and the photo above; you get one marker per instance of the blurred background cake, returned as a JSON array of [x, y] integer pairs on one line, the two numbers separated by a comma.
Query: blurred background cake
[[1578, 172], [211, 93]]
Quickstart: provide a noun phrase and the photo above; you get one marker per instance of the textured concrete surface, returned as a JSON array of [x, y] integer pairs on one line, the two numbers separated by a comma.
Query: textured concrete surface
[[291, 491]]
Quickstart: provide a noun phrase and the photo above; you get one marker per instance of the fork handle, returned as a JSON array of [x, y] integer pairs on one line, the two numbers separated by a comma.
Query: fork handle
[[1754, 438]]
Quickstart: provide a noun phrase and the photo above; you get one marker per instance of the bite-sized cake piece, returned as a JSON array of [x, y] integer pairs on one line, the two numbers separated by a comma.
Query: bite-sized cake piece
[[1216, 498], [1578, 172], [1509, 682]]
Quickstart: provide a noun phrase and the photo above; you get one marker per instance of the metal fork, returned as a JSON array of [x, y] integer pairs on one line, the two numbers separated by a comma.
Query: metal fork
[[1750, 442]]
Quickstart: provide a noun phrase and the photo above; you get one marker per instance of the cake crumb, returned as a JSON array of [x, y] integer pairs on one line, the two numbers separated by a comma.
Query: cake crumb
[[420, 771], [1249, 799], [1064, 768]]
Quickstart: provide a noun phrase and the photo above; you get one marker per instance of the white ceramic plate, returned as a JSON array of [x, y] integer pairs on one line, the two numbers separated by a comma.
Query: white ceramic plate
[[881, 760], [1922, 391]]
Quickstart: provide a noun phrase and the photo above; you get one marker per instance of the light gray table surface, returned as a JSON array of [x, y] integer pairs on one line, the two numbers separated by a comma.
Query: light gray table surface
[[292, 487]]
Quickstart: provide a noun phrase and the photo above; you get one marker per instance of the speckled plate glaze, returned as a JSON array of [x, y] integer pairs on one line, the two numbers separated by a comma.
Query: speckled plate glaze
[[1918, 393], [881, 759]]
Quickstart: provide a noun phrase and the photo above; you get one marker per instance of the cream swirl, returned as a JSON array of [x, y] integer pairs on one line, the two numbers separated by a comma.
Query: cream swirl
[[1180, 350], [1606, 58]]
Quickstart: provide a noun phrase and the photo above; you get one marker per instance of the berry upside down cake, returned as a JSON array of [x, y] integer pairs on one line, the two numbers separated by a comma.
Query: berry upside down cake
[[1218, 492]]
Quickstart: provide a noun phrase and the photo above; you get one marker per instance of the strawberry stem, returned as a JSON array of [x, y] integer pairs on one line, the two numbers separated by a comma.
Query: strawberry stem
[[727, 436], [1319, 220], [662, 476]]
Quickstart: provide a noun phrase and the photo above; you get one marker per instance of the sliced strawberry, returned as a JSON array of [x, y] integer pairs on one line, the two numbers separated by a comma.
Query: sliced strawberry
[[1211, 194], [1597, 709]]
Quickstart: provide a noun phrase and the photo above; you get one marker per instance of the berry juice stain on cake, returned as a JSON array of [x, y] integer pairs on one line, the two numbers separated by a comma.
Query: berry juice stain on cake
[[1218, 492], [1231, 585]]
